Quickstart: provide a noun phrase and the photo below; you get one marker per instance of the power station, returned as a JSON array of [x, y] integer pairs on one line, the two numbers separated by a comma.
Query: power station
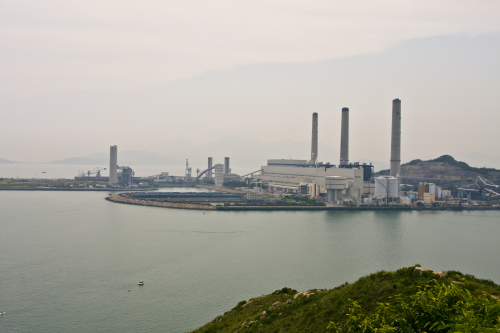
[[333, 183], [316, 178]]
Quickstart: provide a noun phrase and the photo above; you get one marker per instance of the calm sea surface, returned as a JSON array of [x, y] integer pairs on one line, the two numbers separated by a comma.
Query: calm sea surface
[[67, 259]]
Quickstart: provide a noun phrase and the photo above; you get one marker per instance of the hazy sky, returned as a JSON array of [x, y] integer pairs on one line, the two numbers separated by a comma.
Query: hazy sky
[[68, 70]]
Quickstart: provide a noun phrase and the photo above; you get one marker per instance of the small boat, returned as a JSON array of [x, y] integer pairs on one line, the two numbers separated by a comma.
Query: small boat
[[43, 172], [141, 283], [1, 313]]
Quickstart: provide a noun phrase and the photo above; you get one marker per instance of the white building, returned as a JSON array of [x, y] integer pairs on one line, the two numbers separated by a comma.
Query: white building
[[219, 175], [297, 177]]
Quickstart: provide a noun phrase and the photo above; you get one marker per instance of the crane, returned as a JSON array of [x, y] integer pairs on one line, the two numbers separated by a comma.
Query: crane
[[96, 171], [188, 170], [482, 188]]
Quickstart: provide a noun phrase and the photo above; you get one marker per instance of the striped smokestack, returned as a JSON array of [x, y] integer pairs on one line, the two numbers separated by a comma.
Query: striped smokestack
[[396, 138], [344, 137]]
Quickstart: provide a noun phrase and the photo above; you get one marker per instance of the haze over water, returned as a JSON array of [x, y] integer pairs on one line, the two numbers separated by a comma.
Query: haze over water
[[68, 259]]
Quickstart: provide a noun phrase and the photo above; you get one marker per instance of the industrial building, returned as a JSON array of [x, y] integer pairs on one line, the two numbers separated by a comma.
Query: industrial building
[[314, 178]]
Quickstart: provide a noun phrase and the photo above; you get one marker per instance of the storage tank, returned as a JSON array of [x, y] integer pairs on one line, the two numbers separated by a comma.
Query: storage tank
[[393, 187], [432, 188], [386, 187], [438, 193], [381, 187]]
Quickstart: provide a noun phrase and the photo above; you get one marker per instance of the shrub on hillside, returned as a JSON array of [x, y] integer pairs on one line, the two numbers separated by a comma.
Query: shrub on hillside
[[436, 308]]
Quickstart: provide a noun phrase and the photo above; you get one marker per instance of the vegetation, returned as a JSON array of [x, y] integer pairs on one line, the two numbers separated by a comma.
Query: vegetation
[[436, 308], [302, 200], [234, 183], [400, 301], [450, 160]]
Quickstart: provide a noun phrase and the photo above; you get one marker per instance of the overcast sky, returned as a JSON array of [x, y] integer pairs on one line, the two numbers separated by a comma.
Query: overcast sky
[[83, 52]]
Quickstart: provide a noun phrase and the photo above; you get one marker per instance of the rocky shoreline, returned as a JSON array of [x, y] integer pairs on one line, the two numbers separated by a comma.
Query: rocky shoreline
[[124, 200]]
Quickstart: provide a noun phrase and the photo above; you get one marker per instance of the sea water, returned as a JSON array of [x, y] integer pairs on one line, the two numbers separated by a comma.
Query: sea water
[[68, 259]]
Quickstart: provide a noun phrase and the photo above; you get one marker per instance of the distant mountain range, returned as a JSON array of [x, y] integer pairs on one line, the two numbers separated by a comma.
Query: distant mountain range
[[129, 157], [243, 152], [248, 152], [4, 161]]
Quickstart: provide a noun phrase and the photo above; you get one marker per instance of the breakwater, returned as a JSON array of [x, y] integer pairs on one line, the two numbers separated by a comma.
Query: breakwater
[[125, 199], [363, 208], [129, 201]]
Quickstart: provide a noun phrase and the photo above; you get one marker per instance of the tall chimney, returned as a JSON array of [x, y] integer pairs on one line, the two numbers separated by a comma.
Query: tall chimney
[[209, 173], [344, 137], [314, 141], [113, 165], [226, 165], [396, 138]]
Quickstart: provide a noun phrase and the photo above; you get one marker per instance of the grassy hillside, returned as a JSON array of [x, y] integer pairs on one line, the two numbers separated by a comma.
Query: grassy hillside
[[451, 161], [286, 310]]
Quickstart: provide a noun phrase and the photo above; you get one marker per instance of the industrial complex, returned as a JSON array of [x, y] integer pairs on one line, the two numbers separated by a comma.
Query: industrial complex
[[348, 183]]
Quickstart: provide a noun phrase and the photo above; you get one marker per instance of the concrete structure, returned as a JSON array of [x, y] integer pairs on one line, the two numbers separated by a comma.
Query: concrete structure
[[219, 175], [334, 186], [209, 173], [429, 198], [422, 188], [314, 139], [396, 138], [125, 176], [113, 165], [295, 178], [405, 201], [289, 162], [313, 190], [344, 137], [227, 169]]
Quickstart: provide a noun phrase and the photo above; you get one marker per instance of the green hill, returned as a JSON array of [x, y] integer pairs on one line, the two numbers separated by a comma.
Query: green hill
[[286, 310], [443, 170], [450, 160]]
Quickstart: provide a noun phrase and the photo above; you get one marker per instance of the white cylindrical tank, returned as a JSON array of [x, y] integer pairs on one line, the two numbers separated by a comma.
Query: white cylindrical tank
[[438, 193], [386, 187], [432, 188], [393, 187], [381, 186], [335, 183]]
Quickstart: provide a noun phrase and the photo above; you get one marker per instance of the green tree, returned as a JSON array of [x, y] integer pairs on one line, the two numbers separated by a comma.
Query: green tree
[[436, 308]]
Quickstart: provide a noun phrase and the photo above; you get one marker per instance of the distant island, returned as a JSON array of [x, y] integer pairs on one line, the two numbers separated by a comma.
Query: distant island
[[411, 299], [4, 161]]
